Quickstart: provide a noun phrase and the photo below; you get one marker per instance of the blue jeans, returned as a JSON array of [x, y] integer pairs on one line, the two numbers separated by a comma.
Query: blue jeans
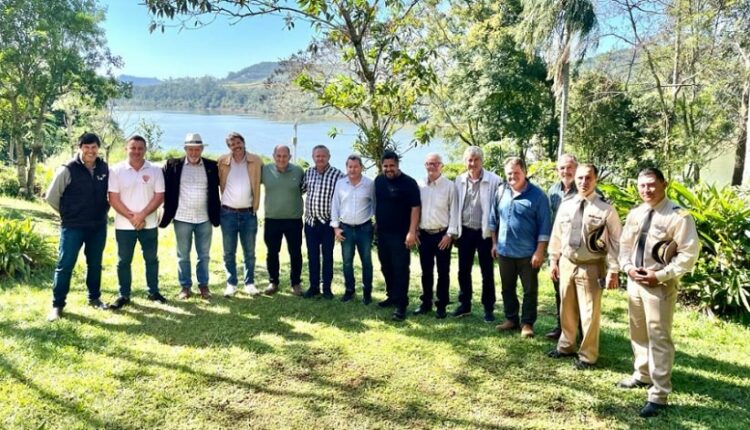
[[359, 236], [320, 240], [71, 241], [183, 233], [245, 226], [126, 239]]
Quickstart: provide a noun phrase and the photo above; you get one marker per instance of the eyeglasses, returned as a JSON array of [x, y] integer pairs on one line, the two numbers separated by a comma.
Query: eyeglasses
[[432, 163]]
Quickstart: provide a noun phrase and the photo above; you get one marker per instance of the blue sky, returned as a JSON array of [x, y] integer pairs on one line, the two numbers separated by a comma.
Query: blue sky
[[215, 50]]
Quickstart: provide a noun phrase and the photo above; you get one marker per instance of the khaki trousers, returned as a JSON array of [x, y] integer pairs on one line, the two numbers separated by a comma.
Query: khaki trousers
[[651, 310], [580, 297]]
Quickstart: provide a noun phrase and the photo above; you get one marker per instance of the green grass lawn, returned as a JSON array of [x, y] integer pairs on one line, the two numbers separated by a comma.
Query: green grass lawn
[[285, 362]]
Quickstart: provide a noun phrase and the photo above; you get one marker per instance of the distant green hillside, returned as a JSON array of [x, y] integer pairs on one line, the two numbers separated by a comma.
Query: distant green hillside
[[254, 73], [245, 91]]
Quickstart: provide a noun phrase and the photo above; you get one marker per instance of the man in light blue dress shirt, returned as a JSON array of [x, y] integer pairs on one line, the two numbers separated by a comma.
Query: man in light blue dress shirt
[[352, 208]]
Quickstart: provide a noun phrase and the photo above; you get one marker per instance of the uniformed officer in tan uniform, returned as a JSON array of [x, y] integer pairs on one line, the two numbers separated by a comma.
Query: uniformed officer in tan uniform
[[583, 257], [659, 244]]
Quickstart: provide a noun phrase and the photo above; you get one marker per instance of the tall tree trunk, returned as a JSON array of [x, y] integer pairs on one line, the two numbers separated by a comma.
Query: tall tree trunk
[[564, 107], [21, 167], [740, 155], [746, 172], [31, 181]]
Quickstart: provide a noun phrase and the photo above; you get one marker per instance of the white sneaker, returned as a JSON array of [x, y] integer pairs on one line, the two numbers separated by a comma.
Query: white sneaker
[[251, 290], [230, 290]]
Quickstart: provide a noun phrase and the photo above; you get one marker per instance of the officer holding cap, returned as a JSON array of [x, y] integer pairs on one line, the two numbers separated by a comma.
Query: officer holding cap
[[583, 254], [659, 244]]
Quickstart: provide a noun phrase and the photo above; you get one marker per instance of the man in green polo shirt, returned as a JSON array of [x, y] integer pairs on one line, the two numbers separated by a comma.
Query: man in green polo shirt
[[283, 210]]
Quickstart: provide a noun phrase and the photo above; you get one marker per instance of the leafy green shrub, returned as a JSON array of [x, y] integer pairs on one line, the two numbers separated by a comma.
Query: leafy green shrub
[[22, 249], [720, 281], [451, 170], [9, 185]]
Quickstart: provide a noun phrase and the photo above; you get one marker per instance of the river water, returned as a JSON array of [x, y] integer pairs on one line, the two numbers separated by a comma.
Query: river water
[[262, 134]]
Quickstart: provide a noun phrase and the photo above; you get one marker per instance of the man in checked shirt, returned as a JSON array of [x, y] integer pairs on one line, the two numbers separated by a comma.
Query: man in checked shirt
[[319, 184]]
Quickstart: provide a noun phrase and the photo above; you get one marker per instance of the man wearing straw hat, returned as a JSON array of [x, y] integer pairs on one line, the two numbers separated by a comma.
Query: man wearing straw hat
[[191, 204]]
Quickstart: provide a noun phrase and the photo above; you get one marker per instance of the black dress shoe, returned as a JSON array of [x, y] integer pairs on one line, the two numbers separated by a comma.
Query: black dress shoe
[[387, 303], [310, 293], [98, 304], [156, 297], [652, 409], [422, 309], [399, 314], [366, 298], [348, 296], [461, 311], [440, 313], [489, 317], [556, 353], [554, 334], [582, 365], [328, 295], [630, 383], [120, 302]]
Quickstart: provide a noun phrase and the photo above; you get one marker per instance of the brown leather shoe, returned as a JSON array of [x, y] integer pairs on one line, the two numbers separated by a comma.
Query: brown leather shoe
[[296, 290], [527, 330], [271, 289], [184, 294], [506, 326], [205, 293]]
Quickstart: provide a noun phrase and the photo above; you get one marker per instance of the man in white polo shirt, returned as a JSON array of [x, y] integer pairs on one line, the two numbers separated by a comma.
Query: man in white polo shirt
[[136, 190]]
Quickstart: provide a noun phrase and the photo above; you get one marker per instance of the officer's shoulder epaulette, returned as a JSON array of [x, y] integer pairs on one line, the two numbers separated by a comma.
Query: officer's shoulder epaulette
[[679, 210]]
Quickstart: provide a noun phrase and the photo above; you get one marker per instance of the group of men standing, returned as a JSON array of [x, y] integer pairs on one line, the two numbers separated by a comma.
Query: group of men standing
[[511, 222]]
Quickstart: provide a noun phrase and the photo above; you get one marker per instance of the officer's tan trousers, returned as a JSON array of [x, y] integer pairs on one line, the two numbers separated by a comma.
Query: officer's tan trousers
[[581, 297], [651, 310]]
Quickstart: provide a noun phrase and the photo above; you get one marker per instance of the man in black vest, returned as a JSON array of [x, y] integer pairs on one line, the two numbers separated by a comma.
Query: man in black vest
[[79, 193], [191, 199]]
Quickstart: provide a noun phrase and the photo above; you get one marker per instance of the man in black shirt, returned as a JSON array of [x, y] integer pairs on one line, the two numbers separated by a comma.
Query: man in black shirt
[[397, 212]]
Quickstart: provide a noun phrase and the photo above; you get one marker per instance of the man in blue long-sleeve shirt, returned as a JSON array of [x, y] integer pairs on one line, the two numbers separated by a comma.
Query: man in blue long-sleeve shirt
[[521, 226]]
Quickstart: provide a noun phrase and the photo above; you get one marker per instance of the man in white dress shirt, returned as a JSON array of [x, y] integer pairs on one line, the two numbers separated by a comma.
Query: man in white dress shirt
[[136, 190], [352, 208], [436, 227]]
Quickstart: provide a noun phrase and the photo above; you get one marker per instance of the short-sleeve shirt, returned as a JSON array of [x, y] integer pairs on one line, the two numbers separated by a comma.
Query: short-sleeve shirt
[[395, 199], [136, 189]]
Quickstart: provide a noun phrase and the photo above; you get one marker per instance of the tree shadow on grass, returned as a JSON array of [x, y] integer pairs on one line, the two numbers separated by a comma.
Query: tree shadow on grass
[[71, 408], [352, 393], [34, 214]]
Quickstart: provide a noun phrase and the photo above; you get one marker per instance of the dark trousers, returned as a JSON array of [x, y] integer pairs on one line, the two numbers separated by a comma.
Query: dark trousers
[[394, 259], [429, 255], [92, 239], [510, 270], [469, 243], [275, 230], [558, 301], [320, 240], [149, 240]]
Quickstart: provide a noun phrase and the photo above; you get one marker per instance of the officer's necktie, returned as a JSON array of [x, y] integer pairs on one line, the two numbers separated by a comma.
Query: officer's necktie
[[576, 227], [642, 239]]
